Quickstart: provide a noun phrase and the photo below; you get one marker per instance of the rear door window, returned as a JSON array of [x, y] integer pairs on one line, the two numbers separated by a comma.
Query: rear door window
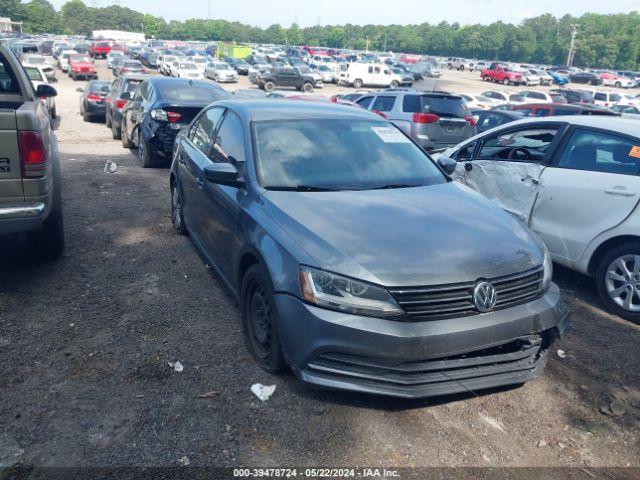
[[601, 152], [384, 104]]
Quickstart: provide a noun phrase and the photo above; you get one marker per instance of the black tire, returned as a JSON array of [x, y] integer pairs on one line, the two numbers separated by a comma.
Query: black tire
[[85, 116], [177, 213], [116, 132], [126, 143], [107, 119], [357, 83], [628, 248], [394, 84], [53, 113], [307, 87], [269, 87], [461, 68], [505, 81], [259, 320], [618, 85], [48, 241], [146, 154]]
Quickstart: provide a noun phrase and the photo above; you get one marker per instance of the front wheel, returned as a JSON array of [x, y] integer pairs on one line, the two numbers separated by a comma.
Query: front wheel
[[269, 87], [357, 83], [107, 119], [505, 81], [394, 84], [177, 215], [259, 320], [307, 87], [618, 281]]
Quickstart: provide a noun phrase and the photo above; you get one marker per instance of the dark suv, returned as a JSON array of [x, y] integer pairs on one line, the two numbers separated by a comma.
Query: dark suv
[[122, 90], [434, 120], [576, 96], [287, 78]]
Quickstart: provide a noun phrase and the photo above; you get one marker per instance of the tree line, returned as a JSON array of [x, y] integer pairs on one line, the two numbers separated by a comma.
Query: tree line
[[606, 41]]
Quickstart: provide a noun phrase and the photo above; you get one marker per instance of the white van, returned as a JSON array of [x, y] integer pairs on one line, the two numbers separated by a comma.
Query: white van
[[359, 75]]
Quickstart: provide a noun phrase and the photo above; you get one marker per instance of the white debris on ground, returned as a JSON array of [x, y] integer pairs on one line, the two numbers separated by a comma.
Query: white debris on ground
[[177, 366], [110, 167], [263, 392]]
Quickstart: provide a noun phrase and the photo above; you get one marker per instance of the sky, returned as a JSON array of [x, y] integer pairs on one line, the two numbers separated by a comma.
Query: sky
[[360, 12]]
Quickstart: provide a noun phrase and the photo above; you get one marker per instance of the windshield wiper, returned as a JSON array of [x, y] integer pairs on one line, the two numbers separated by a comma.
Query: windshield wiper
[[395, 185], [304, 188]]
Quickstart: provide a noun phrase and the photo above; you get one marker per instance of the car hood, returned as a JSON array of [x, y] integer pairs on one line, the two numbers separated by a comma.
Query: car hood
[[412, 236]]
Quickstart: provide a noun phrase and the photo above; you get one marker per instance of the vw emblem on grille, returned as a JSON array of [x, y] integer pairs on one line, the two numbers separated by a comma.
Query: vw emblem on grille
[[485, 296]]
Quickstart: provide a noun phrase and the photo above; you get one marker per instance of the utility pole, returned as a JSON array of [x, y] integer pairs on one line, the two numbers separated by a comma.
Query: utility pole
[[367, 48], [572, 48]]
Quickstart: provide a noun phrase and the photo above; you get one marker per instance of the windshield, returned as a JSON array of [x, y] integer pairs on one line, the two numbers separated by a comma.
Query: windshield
[[33, 73], [37, 60], [197, 92], [441, 105], [188, 66], [222, 66], [100, 86], [80, 58], [339, 154]]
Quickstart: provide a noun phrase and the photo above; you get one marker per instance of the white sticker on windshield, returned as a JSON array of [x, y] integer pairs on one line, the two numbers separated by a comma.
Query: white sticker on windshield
[[390, 135]]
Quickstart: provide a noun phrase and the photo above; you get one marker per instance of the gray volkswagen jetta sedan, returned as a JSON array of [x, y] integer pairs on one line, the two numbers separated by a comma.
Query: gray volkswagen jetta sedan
[[356, 260]]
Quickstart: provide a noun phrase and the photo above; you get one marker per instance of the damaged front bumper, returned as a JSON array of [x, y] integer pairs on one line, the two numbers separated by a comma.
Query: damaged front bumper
[[420, 359]]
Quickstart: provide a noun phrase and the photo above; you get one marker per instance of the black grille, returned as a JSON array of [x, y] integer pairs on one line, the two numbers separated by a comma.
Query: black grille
[[520, 355], [456, 300]]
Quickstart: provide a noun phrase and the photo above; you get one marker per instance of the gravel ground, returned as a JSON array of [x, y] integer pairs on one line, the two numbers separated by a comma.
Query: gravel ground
[[85, 343]]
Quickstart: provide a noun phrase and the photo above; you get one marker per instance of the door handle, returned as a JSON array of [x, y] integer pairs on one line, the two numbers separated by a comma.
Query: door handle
[[623, 192]]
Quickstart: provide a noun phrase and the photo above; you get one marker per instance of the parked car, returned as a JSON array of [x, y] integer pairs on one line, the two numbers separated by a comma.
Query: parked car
[[457, 63], [545, 78], [221, 72], [502, 73], [113, 55], [329, 75], [92, 100], [551, 109], [165, 62], [359, 75], [99, 49], [558, 79], [475, 101], [606, 99], [131, 67], [256, 70], [488, 119], [574, 181], [81, 66], [286, 78], [157, 112], [59, 46], [579, 97], [149, 60], [354, 307], [433, 120], [239, 65], [628, 111], [121, 91], [41, 62], [588, 78], [63, 59], [183, 69], [611, 79], [30, 188], [531, 78], [535, 96], [38, 77], [504, 96]]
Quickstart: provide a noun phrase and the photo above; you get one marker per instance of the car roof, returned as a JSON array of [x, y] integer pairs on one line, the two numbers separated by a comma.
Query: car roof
[[275, 109], [626, 126]]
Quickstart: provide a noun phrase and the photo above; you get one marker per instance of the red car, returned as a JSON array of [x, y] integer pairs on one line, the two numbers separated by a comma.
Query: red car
[[99, 49], [81, 66], [501, 73]]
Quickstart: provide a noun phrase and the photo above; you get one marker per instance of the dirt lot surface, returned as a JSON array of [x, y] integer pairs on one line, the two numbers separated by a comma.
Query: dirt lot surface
[[85, 343]]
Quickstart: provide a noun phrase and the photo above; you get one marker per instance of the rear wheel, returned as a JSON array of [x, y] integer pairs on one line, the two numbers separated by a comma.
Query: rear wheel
[[107, 119], [116, 133], [85, 116], [48, 242], [618, 281], [177, 215], [394, 84], [307, 87], [126, 143], [259, 320], [618, 85], [146, 154], [357, 83], [269, 87]]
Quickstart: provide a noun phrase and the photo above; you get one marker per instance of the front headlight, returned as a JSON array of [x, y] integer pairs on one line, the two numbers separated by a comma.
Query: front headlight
[[548, 270], [329, 290]]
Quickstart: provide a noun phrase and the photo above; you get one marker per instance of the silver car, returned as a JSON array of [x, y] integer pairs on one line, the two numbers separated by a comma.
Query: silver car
[[435, 120]]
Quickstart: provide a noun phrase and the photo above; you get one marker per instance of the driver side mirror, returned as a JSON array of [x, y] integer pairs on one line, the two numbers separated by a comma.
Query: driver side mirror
[[46, 91], [447, 164], [223, 174]]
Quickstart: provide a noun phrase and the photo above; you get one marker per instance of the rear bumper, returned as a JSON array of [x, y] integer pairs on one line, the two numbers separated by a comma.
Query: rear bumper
[[21, 218], [420, 359]]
